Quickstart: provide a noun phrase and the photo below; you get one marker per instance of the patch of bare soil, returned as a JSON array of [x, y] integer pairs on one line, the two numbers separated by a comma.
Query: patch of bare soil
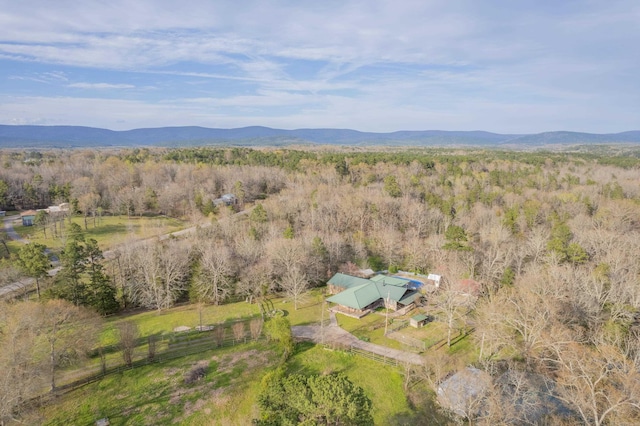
[[252, 358], [220, 397]]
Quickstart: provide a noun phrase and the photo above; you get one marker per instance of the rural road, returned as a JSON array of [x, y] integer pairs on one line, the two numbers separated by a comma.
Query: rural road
[[20, 284], [329, 334], [108, 254], [334, 334], [11, 233]]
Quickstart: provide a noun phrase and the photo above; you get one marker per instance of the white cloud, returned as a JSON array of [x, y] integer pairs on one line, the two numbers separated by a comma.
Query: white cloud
[[100, 86], [375, 64]]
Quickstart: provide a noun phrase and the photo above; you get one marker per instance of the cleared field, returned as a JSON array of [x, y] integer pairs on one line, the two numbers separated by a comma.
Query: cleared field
[[226, 394], [109, 231]]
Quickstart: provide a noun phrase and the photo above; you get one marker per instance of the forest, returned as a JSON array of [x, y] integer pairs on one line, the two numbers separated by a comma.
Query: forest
[[552, 238]]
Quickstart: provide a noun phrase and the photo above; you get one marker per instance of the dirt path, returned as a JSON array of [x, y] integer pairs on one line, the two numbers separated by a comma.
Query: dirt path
[[334, 334], [11, 233]]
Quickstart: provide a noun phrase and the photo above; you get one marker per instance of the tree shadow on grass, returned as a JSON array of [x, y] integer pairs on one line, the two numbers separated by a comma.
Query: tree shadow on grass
[[297, 364]]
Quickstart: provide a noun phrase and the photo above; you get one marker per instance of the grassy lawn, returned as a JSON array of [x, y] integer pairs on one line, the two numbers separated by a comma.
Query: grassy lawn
[[13, 247], [369, 328], [109, 230], [309, 307], [157, 394], [382, 384], [463, 347], [432, 333], [154, 322], [362, 326]]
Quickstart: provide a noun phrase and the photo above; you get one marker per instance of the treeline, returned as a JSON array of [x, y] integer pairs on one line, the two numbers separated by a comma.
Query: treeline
[[171, 181]]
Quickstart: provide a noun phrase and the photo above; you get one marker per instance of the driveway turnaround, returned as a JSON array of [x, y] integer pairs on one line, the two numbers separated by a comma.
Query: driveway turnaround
[[334, 334]]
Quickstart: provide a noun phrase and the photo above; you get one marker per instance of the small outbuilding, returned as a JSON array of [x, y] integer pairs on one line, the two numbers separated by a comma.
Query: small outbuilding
[[28, 217], [418, 321], [434, 279]]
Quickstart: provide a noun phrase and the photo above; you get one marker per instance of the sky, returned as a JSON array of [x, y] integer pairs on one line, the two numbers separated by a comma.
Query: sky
[[506, 66]]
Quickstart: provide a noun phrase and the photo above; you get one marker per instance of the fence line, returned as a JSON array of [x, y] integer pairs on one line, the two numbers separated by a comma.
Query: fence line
[[177, 345], [409, 341], [397, 325], [178, 351], [374, 356]]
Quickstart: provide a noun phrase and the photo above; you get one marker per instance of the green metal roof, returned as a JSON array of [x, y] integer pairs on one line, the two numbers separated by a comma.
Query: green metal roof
[[358, 297], [419, 317], [360, 293], [409, 298], [400, 282], [347, 281], [391, 291]]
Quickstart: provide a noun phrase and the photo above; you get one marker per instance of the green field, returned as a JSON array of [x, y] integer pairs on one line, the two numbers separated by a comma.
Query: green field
[[108, 232], [158, 394], [163, 322]]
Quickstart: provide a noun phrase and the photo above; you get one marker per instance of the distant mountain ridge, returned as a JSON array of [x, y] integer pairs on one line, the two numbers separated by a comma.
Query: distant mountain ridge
[[78, 136]]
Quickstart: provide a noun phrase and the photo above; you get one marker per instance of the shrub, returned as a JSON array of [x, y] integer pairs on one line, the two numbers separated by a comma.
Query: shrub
[[197, 372]]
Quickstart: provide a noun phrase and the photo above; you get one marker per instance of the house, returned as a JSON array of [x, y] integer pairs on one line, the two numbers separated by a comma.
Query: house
[[465, 392], [469, 287], [357, 297], [527, 398], [28, 217], [226, 199], [60, 208]]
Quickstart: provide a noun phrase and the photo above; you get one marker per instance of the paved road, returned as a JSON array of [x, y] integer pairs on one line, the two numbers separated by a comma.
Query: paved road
[[334, 334]]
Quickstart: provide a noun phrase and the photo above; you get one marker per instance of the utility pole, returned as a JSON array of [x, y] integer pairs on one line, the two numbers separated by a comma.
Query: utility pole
[[322, 322], [386, 321]]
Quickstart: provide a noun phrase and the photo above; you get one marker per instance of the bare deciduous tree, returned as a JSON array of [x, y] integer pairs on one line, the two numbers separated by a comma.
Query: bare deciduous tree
[[255, 326], [159, 275], [218, 335], [214, 279], [127, 340], [599, 383], [67, 332], [295, 284], [238, 331], [19, 362]]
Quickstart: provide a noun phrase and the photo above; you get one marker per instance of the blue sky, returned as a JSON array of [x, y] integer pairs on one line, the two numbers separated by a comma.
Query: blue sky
[[499, 65]]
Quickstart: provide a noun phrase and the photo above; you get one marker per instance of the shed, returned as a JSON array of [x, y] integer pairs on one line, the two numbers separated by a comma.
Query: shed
[[418, 321], [28, 217], [434, 279]]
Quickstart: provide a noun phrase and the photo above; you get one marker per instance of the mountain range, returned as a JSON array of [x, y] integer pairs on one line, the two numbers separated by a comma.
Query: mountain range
[[13, 136]]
